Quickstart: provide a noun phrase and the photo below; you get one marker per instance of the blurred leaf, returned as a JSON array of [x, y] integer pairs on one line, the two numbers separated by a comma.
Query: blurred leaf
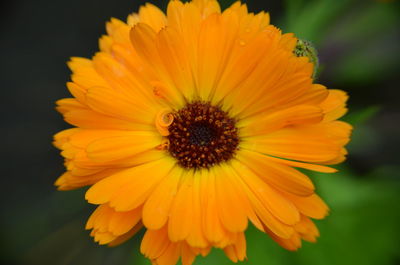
[[363, 225], [367, 38], [369, 61], [309, 20], [292, 8], [364, 138], [366, 21], [35, 220], [360, 117]]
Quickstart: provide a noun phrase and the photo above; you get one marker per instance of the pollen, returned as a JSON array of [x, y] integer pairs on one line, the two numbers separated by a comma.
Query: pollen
[[202, 135]]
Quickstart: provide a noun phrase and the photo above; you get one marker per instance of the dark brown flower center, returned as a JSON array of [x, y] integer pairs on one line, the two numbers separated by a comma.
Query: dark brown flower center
[[202, 135]]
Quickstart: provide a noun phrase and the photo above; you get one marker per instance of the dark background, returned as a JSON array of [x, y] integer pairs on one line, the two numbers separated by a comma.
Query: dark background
[[358, 43]]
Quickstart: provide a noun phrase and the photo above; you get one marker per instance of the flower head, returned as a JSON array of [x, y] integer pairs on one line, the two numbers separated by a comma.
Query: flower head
[[191, 124]]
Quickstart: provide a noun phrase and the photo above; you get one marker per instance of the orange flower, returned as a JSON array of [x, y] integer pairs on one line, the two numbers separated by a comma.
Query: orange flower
[[191, 124]]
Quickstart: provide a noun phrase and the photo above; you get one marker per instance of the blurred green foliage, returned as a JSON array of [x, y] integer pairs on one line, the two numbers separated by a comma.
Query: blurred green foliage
[[362, 29]]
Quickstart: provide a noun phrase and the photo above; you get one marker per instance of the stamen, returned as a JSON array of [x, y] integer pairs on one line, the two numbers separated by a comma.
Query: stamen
[[202, 135], [164, 145]]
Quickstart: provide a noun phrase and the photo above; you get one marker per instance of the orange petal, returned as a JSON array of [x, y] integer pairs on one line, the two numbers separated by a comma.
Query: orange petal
[[237, 251], [307, 229], [181, 215], [207, 7], [278, 175], [266, 123], [140, 185], [154, 243], [104, 190], [262, 204], [231, 209], [121, 239], [217, 35], [292, 243], [312, 206], [109, 102], [176, 70], [127, 144], [306, 143], [187, 256], [69, 104], [143, 39], [334, 105], [170, 256], [313, 167], [121, 222], [275, 202], [212, 226], [152, 16], [157, 207], [89, 119], [196, 237]]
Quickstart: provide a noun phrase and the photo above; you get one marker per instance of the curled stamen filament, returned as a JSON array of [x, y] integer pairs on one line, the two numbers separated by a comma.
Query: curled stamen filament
[[164, 119]]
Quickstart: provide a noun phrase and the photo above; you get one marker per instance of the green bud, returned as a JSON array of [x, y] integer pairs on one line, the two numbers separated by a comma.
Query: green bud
[[305, 48]]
